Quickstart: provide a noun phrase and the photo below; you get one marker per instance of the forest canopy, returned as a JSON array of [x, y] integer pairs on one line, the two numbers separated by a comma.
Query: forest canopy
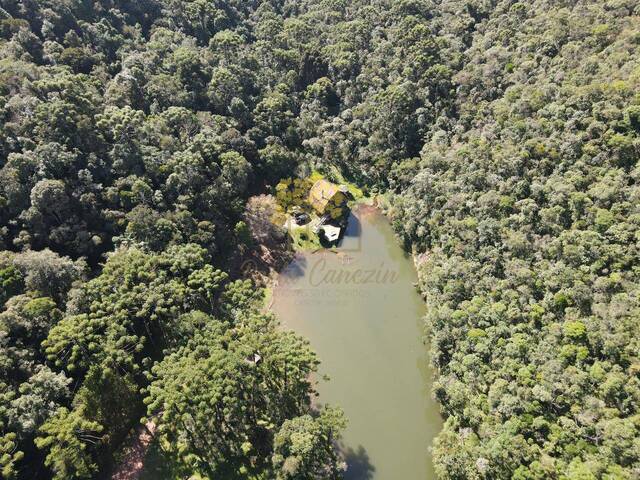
[[504, 134]]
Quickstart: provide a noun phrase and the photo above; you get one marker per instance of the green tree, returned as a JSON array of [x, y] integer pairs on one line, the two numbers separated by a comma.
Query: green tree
[[71, 442], [304, 447], [223, 397]]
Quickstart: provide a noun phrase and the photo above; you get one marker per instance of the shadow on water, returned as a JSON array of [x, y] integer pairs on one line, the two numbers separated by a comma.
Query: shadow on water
[[393, 240], [354, 227], [296, 268], [359, 464]]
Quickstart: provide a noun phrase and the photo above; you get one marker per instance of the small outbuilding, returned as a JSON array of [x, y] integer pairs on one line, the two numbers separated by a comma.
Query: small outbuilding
[[325, 196], [331, 233]]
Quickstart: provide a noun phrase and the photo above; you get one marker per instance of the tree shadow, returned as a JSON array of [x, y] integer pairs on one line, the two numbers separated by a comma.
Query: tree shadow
[[359, 466], [296, 268]]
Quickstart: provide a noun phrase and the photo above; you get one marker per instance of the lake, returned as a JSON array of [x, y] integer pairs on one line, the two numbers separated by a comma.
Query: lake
[[360, 310]]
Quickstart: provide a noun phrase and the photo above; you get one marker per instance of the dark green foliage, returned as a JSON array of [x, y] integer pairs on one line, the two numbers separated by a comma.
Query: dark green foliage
[[129, 308], [221, 398], [506, 133], [525, 212], [303, 447], [11, 283]]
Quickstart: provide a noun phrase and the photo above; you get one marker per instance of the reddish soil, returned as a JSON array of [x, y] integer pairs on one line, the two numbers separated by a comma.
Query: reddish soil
[[131, 467]]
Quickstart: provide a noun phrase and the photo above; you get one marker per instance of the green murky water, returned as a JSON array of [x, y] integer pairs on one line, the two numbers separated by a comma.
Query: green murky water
[[362, 315]]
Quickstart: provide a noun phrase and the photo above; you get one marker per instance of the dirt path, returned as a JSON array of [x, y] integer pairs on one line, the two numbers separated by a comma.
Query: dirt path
[[131, 467]]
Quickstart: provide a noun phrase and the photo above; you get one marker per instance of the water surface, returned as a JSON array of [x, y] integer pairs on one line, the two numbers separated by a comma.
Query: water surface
[[362, 315]]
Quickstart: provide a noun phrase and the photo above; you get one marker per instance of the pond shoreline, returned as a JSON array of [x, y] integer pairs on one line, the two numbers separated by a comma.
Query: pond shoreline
[[369, 338]]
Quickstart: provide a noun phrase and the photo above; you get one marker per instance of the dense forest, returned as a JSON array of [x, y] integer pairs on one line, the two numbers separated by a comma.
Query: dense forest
[[504, 134]]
